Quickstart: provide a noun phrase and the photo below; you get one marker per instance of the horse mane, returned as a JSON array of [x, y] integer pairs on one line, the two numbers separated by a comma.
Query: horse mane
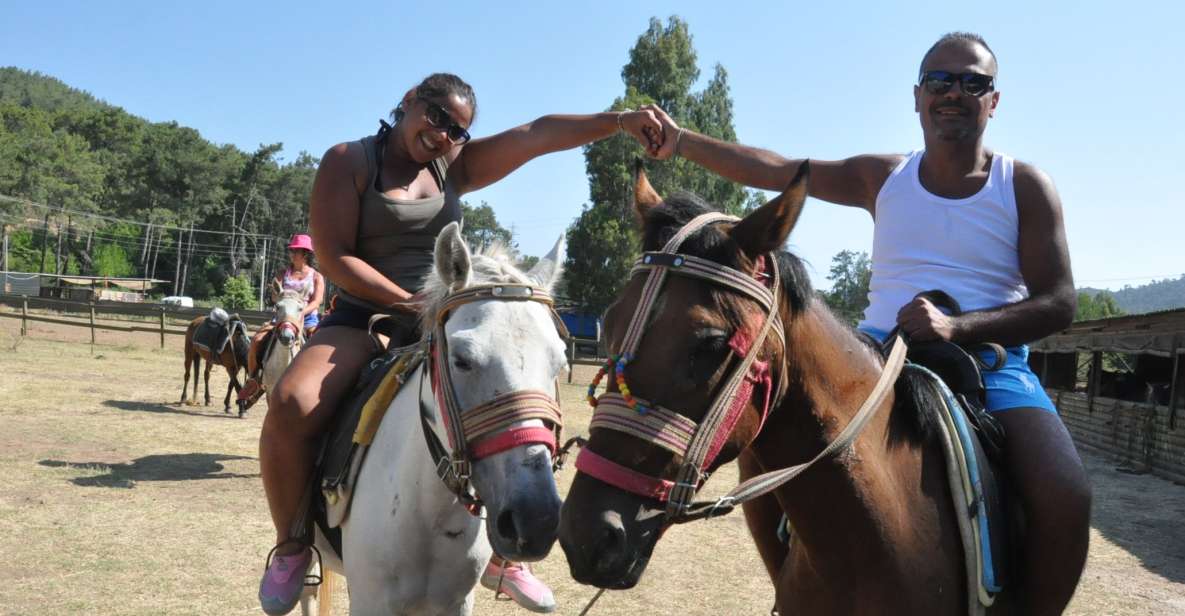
[[491, 264], [916, 404]]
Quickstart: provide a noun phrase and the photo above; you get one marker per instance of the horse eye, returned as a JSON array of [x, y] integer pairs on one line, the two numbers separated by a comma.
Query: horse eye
[[707, 356], [460, 363]]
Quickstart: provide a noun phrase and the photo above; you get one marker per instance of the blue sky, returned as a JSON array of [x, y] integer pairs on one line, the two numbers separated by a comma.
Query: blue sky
[[1090, 91]]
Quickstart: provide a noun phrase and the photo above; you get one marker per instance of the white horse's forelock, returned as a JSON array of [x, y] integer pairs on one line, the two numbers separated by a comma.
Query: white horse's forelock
[[492, 264]]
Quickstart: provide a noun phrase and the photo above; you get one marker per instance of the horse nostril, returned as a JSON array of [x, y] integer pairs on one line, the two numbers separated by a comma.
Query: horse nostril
[[612, 534], [506, 527]]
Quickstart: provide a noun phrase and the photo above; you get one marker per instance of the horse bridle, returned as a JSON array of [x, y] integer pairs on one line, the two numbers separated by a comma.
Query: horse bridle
[[700, 443], [488, 428]]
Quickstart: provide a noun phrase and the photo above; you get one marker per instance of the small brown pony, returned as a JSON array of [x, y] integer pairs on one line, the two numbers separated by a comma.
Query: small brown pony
[[874, 528], [233, 358]]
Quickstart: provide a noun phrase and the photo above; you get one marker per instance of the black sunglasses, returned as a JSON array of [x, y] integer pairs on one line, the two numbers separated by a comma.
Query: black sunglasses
[[971, 84], [439, 118]]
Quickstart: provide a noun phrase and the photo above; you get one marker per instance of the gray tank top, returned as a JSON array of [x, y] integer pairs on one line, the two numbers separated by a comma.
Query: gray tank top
[[397, 236]]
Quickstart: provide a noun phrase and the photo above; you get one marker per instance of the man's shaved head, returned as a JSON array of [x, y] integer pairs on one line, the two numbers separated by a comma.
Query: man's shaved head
[[960, 38]]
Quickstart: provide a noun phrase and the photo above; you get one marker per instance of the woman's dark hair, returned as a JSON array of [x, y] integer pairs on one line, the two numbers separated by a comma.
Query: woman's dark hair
[[439, 86]]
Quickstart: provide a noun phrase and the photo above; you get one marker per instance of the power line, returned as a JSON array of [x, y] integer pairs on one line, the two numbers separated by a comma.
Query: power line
[[114, 219]]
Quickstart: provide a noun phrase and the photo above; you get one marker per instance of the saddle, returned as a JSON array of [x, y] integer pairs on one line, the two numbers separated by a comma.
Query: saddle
[[976, 449], [343, 448], [218, 330]]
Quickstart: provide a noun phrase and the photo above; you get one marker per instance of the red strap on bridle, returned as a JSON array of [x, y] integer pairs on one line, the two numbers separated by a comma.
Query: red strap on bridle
[[513, 437], [621, 477]]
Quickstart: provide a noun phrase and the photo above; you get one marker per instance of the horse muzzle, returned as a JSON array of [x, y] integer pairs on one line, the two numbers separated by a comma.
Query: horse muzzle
[[607, 546], [523, 505]]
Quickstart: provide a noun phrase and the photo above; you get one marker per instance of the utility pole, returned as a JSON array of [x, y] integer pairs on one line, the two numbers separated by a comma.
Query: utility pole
[[177, 272], [44, 242], [188, 256], [262, 272], [234, 208], [160, 236]]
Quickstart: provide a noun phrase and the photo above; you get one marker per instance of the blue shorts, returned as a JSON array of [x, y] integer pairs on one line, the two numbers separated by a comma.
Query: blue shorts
[[310, 320], [1011, 387]]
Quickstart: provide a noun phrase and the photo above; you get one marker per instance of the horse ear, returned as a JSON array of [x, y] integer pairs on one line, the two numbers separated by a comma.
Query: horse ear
[[766, 228], [453, 263], [645, 197], [547, 271]]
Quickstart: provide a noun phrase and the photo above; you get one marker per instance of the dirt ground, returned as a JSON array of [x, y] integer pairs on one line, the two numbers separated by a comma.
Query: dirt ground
[[116, 500]]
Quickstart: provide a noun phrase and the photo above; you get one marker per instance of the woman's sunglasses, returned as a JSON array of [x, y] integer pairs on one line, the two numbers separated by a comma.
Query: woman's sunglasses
[[439, 118], [971, 84]]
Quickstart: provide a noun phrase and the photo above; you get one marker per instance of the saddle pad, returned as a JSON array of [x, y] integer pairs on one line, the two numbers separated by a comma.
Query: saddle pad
[[211, 336], [981, 495], [354, 426]]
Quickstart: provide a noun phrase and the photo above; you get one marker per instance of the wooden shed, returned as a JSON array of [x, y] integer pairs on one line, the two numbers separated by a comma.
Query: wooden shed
[[1119, 385]]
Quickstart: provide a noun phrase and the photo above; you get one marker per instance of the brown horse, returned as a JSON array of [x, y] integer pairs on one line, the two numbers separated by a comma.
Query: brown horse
[[233, 358], [874, 528]]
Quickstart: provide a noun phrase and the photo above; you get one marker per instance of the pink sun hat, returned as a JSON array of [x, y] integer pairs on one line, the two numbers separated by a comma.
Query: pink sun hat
[[302, 241]]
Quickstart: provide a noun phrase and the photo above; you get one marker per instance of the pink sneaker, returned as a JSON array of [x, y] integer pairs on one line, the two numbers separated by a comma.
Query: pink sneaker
[[517, 581], [283, 582]]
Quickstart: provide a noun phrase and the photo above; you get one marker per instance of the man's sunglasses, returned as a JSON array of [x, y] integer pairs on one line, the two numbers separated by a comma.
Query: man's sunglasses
[[439, 118], [972, 84]]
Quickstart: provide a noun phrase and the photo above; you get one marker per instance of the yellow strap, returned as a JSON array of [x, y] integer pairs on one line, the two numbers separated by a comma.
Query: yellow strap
[[376, 406]]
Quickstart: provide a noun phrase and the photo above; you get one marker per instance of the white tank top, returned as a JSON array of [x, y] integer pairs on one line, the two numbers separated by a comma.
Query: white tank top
[[303, 286], [966, 247]]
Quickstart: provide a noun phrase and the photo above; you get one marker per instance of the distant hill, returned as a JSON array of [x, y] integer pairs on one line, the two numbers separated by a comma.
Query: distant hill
[[33, 89], [1154, 296]]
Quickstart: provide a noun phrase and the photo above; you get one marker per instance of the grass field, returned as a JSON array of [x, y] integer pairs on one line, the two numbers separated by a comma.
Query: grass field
[[116, 500]]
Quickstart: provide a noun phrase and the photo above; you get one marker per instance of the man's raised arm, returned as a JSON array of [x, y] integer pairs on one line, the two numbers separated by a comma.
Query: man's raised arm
[[852, 181]]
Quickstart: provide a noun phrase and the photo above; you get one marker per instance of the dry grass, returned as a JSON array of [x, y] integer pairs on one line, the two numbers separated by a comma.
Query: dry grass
[[118, 501]]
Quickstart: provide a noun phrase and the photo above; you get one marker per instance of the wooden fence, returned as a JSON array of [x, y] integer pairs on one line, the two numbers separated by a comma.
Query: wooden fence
[[170, 320], [151, 318], [1136, 435]]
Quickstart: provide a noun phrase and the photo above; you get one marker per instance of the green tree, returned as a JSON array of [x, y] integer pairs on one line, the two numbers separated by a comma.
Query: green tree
[[850, 275], [237, 293], [600, 237], [1098, 306], [662, 69], [112, 260], [482, 228]]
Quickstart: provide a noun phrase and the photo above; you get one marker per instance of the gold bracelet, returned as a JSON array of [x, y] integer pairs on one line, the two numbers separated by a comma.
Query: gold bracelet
[[678, 139], [620, 126]]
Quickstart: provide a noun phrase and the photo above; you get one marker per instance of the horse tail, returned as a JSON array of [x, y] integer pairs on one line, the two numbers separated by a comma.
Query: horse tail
[[326, 591]]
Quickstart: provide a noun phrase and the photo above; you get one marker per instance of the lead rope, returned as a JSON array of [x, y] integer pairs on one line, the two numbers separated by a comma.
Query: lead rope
[[592, 602]]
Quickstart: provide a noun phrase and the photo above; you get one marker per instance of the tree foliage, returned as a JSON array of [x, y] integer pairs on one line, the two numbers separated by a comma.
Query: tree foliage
[[850, 275], [1101, 305], [63, 148], [482, 228], [662, 69], [238, 293]]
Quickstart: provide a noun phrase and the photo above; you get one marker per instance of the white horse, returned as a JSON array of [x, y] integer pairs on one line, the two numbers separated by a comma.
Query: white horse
[[411, 548], [287, 338]]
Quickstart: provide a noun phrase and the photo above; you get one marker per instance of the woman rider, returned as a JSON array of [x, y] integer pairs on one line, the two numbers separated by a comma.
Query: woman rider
[[302, 277], [377, 205]]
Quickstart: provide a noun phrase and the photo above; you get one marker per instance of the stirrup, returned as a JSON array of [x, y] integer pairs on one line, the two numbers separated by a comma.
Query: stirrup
[[309, 580]]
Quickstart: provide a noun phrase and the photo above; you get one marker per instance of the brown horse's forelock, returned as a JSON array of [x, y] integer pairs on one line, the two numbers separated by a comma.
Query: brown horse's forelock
[[665, 219]]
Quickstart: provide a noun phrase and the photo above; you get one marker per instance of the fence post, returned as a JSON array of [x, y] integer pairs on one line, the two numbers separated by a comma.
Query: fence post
[[24, 314], [92, 323], [162, 327], [571, 357]]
